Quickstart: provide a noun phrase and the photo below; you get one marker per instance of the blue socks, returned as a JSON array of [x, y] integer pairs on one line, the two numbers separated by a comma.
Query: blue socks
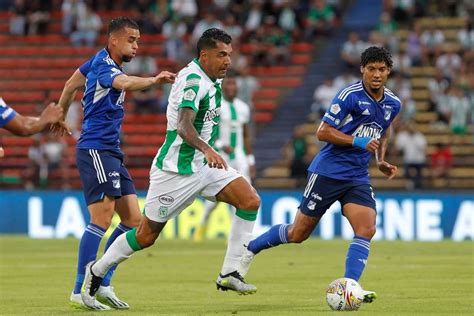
[[121, 228], [87, 251], [357, 257], [275, 236]]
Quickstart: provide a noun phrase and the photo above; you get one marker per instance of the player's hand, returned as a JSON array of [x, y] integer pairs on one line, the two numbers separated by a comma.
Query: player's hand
[[165, 77], [373, 145], [214, 160], [227, 149], [60, 129], [387, 169], [2, 152], [52, 113]]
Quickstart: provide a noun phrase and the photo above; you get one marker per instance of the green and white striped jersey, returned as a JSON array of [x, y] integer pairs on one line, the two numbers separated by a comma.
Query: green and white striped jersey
[[234, 115], [192, 89]]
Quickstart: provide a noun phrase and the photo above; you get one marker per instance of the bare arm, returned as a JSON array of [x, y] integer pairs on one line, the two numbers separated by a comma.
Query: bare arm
[[28, 125], [189, 134], [327, 133], [133, 83], [73, 84], [386, 168]]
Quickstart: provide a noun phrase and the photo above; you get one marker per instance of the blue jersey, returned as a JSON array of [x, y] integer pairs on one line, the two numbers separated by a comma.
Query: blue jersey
[[103, 105], [354, 112], [6, 113]]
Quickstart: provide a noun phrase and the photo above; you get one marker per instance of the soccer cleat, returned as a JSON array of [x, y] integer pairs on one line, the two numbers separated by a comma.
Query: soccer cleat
[[75, 300], [106, 295], [369, 296], [199, 233], [245, 262], [235, 282], [90, 286]]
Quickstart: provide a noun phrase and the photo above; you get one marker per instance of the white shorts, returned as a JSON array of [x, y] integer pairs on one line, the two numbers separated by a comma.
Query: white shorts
[[242, 166], [170, 193]]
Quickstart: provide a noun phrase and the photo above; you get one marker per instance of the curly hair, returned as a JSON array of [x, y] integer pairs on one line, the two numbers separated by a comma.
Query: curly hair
[[210, 38], [376, 54]]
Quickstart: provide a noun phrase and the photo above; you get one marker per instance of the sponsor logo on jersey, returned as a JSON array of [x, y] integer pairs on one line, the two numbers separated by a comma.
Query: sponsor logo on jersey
[[116, 183], [114, 174], [366, 112], [166, 199], [316, 196], [212, 116], [372, 130], [335, 108], [329, 116], [363, 102]]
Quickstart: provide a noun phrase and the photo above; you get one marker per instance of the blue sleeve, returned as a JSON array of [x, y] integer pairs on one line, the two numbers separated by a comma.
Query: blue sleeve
[[338, 110], [107, 70], [6, 113], [85, 67]]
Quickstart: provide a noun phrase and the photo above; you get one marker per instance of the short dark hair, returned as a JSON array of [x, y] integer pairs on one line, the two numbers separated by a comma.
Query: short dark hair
[[210, 38], [376, 54], [121, 22]]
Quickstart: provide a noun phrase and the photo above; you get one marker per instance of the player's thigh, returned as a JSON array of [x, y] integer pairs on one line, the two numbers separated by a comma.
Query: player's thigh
[[169, 194], [230, 187], [128, 209], [102, 211], [358, 206]]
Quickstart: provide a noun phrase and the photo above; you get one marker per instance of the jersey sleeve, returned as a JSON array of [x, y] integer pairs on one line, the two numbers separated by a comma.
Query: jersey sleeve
[[338, 110], [107, 70], [245, 113], [6, 113], [85, 67], [191, 93]]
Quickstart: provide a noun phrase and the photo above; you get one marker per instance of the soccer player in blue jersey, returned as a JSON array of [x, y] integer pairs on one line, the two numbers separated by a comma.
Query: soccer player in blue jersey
[[21, 125], [356, 125], [106, 182]]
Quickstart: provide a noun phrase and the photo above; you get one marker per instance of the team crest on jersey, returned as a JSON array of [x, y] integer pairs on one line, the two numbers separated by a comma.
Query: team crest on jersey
[[116, 184], [372, 130], [311, 205], [212, 116], [387, 114]]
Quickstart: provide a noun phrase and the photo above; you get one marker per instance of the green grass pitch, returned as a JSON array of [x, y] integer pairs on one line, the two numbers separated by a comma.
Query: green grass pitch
[[177, 278]]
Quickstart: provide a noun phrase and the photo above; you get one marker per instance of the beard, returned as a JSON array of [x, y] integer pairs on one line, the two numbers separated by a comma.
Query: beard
[[127, 58]]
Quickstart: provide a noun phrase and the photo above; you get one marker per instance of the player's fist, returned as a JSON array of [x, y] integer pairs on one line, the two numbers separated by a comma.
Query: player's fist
[[165, 77], [387, 169], [52, 113], [214, 160], [373, 145]]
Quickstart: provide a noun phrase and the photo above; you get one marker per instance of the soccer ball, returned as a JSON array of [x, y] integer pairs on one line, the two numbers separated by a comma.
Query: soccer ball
[[344, 294]]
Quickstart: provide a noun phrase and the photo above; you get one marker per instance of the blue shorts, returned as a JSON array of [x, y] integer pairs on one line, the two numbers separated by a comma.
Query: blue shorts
[[321, 192], [103, 173]]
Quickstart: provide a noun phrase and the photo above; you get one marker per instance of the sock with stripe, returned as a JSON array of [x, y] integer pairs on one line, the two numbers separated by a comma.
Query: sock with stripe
[[88, 247], [121, 249], [275, 236], [357, 257], [119, 230], [243, 222]]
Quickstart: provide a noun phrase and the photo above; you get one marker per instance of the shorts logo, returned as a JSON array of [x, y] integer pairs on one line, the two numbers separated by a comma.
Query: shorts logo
[[316, 196], [116, 184], [166, 199], [114, 174], [163, 211], [311, 205]]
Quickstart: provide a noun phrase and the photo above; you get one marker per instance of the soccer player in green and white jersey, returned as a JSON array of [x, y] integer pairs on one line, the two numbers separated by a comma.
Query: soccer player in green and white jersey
[[187, 166], [234, 141]]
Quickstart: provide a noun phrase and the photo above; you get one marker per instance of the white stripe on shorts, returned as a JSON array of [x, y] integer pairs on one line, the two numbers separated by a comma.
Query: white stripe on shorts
[[309, 186], [98, 166]]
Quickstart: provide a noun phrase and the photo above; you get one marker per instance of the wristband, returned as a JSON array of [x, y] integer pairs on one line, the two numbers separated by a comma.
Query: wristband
[[361, 142], [251, 159]]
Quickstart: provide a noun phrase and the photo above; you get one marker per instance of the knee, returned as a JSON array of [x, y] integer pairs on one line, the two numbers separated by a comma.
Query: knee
[[366, 231], [251, 203], [133, 221], [296, 235]]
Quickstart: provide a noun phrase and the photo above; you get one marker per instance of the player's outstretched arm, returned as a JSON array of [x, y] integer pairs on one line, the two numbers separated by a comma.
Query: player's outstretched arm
[[28, 125], [133, 83], [386, 168], [327, 133], [188, 133], [72, 85]]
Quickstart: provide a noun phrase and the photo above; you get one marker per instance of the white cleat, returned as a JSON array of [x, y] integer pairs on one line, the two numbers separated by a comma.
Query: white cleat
[[369, 296], [245, 262], [233, 281], [106, 295], [75, 300], [90, 286]]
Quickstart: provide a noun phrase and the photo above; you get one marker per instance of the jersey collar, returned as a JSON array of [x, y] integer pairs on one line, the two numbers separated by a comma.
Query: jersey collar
[[108, 53], [371, 98], [196, 61]]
